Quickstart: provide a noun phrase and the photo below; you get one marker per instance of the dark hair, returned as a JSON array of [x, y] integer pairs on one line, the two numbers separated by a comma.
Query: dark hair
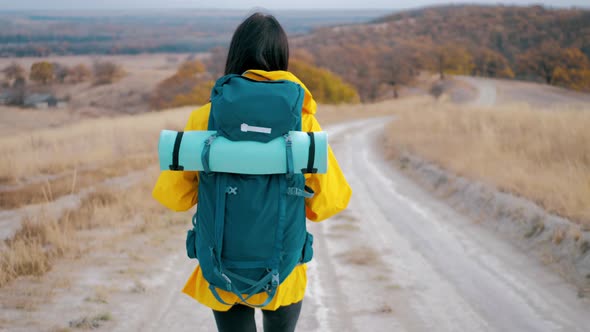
[[258, 43]]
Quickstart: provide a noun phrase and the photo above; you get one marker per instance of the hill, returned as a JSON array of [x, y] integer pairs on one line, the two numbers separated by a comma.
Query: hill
[[43, 33], [533, 43]]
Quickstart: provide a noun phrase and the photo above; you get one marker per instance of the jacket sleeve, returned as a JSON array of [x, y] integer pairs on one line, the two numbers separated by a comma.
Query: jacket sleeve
[[332, 191], [176, 190]]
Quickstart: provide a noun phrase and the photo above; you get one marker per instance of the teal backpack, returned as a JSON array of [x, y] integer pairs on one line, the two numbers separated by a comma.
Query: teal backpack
[[250, 230]]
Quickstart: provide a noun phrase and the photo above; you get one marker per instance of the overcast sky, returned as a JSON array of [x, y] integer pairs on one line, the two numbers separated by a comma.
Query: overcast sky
[[268, 4]]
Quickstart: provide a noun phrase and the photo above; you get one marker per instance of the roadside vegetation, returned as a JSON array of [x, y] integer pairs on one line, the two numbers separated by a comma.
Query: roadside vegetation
[[43, 165], [61, 161], [542, 155], [193, 81]]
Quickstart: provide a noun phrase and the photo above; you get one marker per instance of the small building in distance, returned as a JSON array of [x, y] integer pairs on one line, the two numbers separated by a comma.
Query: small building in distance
[[43, 101], [5, 98]]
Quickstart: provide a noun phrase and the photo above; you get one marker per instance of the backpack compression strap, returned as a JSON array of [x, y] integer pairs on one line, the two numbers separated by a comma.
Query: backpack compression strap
[[175, 166], [205, 153], [311, 156], [270, 282]]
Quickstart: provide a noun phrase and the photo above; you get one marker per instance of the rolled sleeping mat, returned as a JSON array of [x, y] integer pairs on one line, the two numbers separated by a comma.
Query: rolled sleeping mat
[[243, 157]]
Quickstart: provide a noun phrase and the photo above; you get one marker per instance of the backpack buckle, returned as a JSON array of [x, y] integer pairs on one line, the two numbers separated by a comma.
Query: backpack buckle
[[210, 139], [288, 140]]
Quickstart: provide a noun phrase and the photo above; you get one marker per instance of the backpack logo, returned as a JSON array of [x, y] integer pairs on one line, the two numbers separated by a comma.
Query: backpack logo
[[246, 128]]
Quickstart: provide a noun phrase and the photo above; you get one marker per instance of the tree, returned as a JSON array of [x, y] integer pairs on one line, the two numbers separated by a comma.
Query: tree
[[489, 63], [191, 68], [325, 86], [453, 59], [79, 73], [42, 72], [541, 61], [397, 69], [199, 95], [573, 71], [565, 67], [13, 72], [106, 72], [190, 85], [60, 72]]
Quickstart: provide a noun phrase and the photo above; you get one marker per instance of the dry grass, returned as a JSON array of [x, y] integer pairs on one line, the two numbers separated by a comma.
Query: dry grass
[[330, 114], [93, 322], [39, 242], [44, 165], [90, 144], [539, 154]]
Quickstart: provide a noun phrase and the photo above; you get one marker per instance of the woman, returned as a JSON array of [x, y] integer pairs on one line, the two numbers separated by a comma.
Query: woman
[[259, 50]]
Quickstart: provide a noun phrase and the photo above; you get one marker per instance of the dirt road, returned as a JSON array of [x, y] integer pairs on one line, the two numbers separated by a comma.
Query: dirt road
[[493, 91], [396, 260]]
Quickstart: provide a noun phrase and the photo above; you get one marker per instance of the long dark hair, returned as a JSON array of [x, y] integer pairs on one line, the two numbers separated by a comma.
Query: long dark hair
[[258, 43]]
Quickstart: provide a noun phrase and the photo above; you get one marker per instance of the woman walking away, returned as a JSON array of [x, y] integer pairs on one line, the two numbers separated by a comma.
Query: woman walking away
[[234, 283]]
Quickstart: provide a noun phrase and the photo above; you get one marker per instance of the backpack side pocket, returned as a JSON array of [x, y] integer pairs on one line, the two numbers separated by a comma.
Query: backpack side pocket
[[191, 245], [307, 254]]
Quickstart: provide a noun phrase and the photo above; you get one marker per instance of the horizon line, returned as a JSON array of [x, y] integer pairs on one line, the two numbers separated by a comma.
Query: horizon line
[[449, 4]]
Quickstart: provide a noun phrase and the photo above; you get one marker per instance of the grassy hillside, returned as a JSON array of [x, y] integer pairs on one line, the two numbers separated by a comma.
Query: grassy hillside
[[534, 43], [546, 150]]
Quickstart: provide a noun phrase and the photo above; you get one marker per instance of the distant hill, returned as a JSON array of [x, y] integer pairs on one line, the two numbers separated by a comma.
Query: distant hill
[[45, 33], [534, 43], [504, 29]]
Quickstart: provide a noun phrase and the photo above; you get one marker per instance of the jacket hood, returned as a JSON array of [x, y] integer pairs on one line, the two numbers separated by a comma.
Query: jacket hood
[[309, 104]]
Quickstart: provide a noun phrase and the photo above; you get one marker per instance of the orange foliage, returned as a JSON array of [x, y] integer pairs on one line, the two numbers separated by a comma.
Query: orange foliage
[[42, 72], [106, 72], [490, 63], [190, 85], [573, 71], [79, 73], [564, 67], [326, 87]]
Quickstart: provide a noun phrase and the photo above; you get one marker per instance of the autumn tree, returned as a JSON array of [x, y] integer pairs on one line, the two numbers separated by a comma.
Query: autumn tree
[[13, 72], [107, 72], [540, 62], [397, 68], [191, 68], [79, 73], [190, 85], [198, 95], [573, 71], [325, 86], [489, 63], [60, 72], [42, 72], [452, 59]]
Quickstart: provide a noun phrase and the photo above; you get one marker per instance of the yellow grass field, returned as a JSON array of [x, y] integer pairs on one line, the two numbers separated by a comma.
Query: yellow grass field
[[40, 166], [543, 155]]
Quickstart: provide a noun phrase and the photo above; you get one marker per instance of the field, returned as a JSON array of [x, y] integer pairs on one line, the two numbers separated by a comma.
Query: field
[[540, 154], [128, 95], [470, 210], [75, 185], [61, 190]]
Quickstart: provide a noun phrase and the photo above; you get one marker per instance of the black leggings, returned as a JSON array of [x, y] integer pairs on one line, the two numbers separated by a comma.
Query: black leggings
[[240, 318]]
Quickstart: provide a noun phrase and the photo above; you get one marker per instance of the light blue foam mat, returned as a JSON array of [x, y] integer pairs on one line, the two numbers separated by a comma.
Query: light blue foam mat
[[243, 157]]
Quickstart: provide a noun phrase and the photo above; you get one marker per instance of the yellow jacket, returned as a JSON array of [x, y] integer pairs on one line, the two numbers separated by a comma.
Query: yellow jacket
[[178, 192]]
